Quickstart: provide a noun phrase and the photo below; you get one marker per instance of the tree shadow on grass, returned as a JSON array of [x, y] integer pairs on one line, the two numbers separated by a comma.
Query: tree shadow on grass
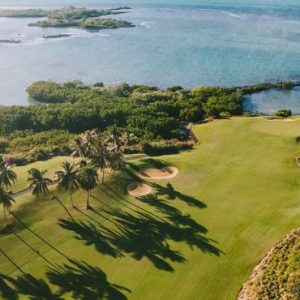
[[128, 174], [90, 217], [82, 280], [27, 285], [39, 236], [91, 235], [174, 215], [122, 200], [144, 235], [172, 194], [148, 163], [85, 282], [144, 225], [6, 291], [33, 249]]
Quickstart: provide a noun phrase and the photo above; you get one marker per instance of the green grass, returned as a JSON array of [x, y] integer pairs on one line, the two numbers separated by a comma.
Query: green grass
[[51, 166], [243, 170]]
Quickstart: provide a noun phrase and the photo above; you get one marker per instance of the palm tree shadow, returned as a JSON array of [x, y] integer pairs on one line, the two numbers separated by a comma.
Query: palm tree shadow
[[171, 213], [144, 233], [32, 248], [172, 194], [90, 217], [26, 285], [146, 229], [140, 236], [39, 237], [80, 279], [122, 200], [85, 282], [148, 163], [128, 174], [91, 235], [6, 291]]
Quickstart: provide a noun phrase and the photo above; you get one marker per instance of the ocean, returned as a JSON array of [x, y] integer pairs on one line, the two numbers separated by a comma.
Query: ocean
[[187, 43]]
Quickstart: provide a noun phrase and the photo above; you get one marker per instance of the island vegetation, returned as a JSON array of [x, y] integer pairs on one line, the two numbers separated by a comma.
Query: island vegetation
[[88, 23], [72, 17], [23, 13]]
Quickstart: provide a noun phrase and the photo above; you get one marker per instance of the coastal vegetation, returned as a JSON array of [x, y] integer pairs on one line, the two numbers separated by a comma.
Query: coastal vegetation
[[277, 276], [38, 132], [41, 131], [281, 85], [283, 113], [127, 243]]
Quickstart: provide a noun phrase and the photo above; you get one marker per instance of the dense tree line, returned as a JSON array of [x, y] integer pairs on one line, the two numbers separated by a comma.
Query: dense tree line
[[155, 116], [150, 114], [76, 107]]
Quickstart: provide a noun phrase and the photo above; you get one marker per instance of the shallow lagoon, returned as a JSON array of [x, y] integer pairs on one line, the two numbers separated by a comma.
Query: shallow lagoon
[[270, 101]]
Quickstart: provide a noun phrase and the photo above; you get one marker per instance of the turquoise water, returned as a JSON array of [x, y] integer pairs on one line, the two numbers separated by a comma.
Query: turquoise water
[[268, 102], [186, 43]]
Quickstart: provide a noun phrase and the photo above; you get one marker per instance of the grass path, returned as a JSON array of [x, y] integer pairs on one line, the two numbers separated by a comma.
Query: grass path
[[244, 172]]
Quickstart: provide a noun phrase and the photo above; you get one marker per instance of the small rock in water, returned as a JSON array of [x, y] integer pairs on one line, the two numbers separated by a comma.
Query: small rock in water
[[56, 36]]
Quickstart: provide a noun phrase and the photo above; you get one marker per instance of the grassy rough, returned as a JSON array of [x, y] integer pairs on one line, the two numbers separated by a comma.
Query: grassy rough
[[278, 274], [244, 172]]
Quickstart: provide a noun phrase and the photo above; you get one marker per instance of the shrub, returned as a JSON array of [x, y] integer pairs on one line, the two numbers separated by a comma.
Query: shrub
[[40, 154], [3, 145], [19, 159], [166, 147], [225, 115], [283, 113]]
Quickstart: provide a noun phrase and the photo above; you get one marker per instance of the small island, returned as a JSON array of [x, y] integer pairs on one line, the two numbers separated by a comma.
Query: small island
[[88, 23], [89, 19], [23, 13], [10, 42]]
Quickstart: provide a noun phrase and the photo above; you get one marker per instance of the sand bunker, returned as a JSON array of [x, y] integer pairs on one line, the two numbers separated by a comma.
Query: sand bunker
[[138, 189], [164, 173]]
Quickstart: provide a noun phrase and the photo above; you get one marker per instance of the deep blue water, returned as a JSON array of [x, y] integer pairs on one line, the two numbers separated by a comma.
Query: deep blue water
[[186, 43]]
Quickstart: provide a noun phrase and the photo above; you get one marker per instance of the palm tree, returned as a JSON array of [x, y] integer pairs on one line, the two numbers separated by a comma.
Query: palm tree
[[67, 179], [99, 159], [88, 178], [6, 199], [7, 175], [115, 160], [38, 182], [77, 146], [127, 139], [39, 185]]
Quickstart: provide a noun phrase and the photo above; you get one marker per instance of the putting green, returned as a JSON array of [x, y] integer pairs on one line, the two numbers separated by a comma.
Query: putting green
[[237, 192]]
